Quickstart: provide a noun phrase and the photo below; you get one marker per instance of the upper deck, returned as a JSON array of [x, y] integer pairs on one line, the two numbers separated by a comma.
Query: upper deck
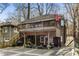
[[46, 22]]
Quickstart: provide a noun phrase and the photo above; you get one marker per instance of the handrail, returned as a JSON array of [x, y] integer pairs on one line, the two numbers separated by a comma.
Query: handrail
[[70, 43], [13, 40]]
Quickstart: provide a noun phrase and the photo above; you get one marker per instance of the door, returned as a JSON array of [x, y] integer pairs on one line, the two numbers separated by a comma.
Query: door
[[57, 42]]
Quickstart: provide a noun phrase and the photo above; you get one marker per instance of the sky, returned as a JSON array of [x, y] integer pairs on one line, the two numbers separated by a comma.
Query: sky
[[11, 9], [5, 14]]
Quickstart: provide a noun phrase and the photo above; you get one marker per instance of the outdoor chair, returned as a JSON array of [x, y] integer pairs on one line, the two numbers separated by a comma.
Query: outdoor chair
[[34, 46], [40, 47]]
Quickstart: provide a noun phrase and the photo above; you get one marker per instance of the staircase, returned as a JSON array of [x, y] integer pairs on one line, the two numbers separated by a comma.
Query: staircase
[[11, 41]]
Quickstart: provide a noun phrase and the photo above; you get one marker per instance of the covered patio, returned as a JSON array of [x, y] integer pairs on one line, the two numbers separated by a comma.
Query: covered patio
[[39, 36]]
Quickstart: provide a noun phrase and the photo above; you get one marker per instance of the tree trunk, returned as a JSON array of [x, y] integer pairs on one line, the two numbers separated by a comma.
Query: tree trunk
[[19, 13], [23, 10], [74, 36], [64, 32], [39, 9], [28, 16], [64, 35]]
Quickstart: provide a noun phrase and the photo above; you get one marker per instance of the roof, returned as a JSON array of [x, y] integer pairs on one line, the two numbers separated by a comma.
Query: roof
[[40, 18], [7, 24]]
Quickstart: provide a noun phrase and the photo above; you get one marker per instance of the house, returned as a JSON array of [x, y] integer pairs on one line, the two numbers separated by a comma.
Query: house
[[7, 30], [43, 30]]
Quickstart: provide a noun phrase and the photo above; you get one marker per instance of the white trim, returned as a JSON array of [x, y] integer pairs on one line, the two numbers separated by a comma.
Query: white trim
[[39, 29]]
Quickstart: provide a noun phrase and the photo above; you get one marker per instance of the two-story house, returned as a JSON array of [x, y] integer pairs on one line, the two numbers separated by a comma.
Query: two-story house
[[41, 30], [7, 30]]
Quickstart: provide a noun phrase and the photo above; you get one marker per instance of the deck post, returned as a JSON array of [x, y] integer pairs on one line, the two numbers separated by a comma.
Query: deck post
[[35, 38], [24, 40], [10, 36], [44, 40], [48, 45], [3, 39]]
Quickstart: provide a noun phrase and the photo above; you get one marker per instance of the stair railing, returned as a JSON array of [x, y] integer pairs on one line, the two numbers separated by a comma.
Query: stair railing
[[14, 39]]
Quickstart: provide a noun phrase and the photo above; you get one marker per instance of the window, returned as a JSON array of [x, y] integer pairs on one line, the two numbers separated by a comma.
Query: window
[[27, 25], [15, 30], [23, 26], [5, 29], [45, 23], [51, 23]]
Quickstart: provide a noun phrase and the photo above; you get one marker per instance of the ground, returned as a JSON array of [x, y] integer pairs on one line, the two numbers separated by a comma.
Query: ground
[[21, 51]]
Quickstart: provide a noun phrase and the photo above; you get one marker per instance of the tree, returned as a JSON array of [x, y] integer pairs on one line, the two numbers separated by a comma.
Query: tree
[[28, 15], [73, 10], [17, 11], [46, 8], [40, 8], [24, 10]]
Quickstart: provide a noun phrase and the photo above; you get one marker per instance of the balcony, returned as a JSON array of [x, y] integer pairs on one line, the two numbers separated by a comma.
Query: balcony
[[41, 26]]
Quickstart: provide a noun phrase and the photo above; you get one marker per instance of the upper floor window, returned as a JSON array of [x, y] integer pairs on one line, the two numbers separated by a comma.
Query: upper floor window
[[27, 25], [6, 29], [23, 26], [49, 23], [34, 25]]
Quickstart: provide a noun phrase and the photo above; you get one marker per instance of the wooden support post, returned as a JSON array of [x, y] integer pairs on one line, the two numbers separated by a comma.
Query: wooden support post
[[10, 32], [48, 46], [44, 40], [24, 40], [35, 38], [3, 39], [10, 36]]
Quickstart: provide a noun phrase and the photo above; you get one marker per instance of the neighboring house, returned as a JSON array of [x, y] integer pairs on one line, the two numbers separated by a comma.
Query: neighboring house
[[8, 30]]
